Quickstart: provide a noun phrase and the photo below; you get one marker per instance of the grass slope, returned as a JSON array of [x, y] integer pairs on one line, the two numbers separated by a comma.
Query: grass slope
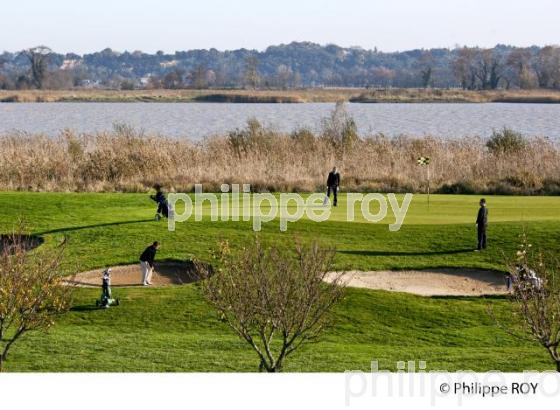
[[173, 329]]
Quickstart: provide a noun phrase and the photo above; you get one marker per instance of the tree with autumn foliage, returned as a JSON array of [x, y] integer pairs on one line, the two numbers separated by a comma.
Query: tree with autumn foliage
[[32, 293], [535, 298]]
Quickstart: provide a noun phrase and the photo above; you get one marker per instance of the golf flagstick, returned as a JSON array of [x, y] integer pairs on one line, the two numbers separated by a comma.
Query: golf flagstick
[[428, 169], [425, 162]]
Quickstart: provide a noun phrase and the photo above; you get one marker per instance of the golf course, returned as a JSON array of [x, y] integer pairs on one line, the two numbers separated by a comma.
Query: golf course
[[173, 328]]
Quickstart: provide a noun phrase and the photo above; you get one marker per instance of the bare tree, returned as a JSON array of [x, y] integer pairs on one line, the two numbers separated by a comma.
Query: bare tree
[[547, 67], [489, 69], [174, 79], [199, 80], [535, 297], [274, 299], [154, 82], [518, 62], [426, 67], [3, 78], [382, 76], [284, 76], [251, 75], [38, 58], [31, 290], [463, 68]]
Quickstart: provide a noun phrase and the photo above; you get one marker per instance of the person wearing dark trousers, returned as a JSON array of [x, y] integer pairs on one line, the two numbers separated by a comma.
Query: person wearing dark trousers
[[333, 182], [161, 200], [147, 263], [482, 224]]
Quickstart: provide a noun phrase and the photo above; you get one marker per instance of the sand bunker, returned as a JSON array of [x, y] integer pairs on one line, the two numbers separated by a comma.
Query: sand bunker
[[432, 282], [165, 273]]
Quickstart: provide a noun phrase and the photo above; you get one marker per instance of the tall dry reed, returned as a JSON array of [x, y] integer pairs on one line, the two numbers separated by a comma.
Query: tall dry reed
[[125, 160]]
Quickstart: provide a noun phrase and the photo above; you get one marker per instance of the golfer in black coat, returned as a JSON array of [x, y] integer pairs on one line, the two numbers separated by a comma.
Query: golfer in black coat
[[147, 263], [482, 224], [333, 181]]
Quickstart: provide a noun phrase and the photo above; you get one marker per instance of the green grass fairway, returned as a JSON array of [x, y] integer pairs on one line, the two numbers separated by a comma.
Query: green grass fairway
[[173, 329]]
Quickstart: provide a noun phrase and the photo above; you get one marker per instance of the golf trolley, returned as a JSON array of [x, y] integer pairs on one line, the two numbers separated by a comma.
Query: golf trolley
[[106, 299]]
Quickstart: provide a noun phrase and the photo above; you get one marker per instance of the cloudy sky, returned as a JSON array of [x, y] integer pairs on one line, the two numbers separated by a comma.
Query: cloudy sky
[[169, 25]]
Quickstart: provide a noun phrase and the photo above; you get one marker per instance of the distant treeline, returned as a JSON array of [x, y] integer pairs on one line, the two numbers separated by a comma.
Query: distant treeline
[[285, 66]]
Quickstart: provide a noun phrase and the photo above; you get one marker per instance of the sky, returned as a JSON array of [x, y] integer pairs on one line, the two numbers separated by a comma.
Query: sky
[[83, 26]]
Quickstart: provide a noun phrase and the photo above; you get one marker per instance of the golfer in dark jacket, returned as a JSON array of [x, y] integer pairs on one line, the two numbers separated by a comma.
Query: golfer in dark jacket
[[333, 181], [161, 200], [147, 263], [482, 223]]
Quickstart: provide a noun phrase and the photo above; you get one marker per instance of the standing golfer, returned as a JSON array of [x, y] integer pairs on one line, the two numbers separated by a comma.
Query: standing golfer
[[147, 263], [333, 181], [482, 224]]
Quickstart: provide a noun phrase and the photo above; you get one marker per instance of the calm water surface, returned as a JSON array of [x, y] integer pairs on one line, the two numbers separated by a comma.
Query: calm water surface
[[196, 120]]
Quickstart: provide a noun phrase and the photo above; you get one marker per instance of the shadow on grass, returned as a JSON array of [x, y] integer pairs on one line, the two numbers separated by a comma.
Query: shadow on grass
[[10, 242], [77, 228], [84, 308], [504, 297], [391, 253]]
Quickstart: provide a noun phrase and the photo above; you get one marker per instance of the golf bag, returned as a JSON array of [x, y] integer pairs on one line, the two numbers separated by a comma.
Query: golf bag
[[106, 299], [529, 276]]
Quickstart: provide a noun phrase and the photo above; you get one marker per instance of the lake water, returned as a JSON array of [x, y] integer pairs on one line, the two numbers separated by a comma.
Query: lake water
[[196, 120]]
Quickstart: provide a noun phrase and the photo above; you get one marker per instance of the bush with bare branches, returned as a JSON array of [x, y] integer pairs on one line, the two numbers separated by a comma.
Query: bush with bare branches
[[535, 297], [274, 299], [31, 290]]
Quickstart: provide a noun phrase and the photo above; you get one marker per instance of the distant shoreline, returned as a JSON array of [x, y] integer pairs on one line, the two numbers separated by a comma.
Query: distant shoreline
[[310, 95]]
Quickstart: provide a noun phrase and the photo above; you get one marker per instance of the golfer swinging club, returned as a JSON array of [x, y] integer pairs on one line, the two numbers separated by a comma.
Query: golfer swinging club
[[147, 263]]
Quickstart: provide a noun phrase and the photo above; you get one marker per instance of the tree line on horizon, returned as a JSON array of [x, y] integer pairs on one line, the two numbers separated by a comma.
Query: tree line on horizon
[[295, 65]]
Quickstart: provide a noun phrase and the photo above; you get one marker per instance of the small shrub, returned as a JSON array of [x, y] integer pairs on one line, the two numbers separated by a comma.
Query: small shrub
[[253, 136], [458, 188], [503, 187], [550, 186], [127, 85], [506, 141], [304, 137], [339, 128]]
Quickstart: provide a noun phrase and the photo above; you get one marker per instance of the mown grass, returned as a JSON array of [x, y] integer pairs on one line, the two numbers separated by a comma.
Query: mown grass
[[173, 328]]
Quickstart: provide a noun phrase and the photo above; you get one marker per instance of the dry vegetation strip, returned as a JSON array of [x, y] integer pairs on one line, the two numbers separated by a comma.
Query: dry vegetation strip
[[180, 95], [282, 96], [124, 160]]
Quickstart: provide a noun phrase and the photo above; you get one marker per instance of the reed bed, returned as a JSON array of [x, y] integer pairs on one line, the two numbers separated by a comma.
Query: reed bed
[[396, 95], [128, 161]]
